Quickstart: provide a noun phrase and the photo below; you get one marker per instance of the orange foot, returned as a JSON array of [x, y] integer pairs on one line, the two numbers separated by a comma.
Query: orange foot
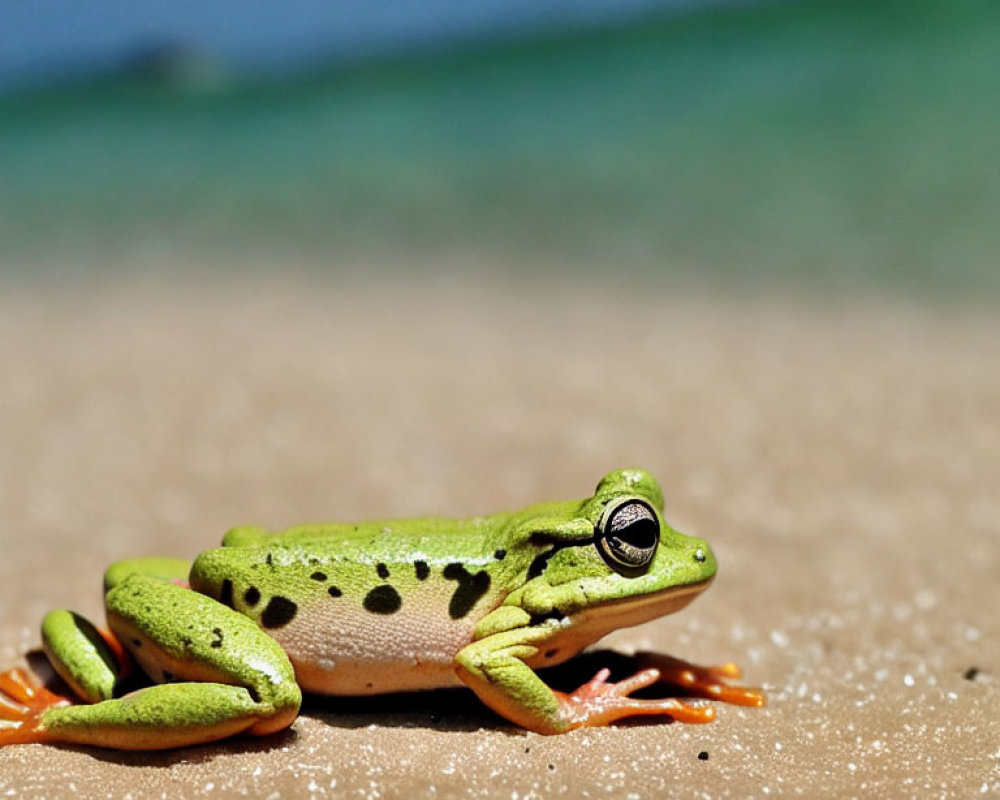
[[707, 682], [23, 700], [600, 703]]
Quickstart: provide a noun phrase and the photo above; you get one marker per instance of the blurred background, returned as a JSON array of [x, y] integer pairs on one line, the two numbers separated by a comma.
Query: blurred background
[[826, 144]]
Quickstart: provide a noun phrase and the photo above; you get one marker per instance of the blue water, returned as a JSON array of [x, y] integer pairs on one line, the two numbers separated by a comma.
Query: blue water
[[848, 143], [48, 39]]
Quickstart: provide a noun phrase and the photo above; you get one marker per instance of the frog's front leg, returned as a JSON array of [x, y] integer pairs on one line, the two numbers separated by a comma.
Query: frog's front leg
[[699, 681], [495, 668], [219, 675]]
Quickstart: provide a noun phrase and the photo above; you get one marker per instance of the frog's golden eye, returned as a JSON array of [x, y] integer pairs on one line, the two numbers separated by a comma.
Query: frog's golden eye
[[627, 535]]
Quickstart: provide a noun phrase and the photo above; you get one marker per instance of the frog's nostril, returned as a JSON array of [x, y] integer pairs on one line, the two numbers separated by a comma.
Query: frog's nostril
[[699, 556]]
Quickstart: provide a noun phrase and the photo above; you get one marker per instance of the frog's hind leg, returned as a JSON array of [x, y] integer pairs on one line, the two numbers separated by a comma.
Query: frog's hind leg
[[220, 674], [23, 701], [89, 662], [161, 717], [85, 659]]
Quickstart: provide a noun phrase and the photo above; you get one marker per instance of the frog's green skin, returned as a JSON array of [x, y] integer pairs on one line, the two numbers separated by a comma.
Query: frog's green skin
[[369, 608]]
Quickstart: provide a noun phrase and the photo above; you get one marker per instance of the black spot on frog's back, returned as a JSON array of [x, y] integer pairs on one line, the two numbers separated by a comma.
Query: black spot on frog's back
[[383, 599], [279, 612]]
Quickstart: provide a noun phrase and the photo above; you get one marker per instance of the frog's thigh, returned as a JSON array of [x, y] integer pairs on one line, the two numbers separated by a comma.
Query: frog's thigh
[[224, 674], [494, 668]]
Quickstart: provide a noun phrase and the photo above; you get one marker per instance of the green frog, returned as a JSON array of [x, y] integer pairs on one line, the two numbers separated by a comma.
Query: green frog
[[230, 642]]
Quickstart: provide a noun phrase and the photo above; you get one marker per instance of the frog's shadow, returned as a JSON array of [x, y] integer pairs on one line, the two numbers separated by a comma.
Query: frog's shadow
[[459, 710], [447, 710]]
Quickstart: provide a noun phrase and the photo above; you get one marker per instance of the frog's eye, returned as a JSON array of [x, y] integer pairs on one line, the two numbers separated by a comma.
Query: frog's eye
[[627, 535]]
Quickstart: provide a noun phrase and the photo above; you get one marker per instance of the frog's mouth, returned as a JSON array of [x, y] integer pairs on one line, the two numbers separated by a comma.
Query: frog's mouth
[[630, 611], [590, 624]]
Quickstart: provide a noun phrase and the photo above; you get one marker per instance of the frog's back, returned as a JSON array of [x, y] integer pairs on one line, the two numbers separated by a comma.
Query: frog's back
[[367, 608]]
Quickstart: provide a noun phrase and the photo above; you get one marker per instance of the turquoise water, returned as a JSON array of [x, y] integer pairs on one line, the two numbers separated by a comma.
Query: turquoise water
[[846, 143]]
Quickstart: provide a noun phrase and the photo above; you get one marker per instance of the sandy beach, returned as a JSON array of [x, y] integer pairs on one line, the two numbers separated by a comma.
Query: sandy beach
[[840, 456]]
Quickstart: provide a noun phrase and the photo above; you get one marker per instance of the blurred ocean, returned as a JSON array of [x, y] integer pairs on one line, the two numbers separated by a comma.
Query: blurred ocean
[[815, 143]]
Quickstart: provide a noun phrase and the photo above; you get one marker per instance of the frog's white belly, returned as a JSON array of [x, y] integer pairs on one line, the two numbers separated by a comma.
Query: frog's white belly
[[341, 649]]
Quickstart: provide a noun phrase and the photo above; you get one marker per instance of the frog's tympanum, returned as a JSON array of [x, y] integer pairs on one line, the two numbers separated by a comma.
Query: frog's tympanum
[[230, 642]]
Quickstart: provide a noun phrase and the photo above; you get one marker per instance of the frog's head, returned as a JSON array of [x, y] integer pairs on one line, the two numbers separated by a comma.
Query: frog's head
[[635, 541], [636, 565]]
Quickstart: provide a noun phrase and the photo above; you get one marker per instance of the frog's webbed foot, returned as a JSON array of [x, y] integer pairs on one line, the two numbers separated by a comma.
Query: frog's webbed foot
[[598, 702], [23, 701], [707, 682], [496, 668]]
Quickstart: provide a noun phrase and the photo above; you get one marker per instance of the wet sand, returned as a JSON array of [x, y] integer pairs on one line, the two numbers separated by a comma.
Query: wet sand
[[841, 458]]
